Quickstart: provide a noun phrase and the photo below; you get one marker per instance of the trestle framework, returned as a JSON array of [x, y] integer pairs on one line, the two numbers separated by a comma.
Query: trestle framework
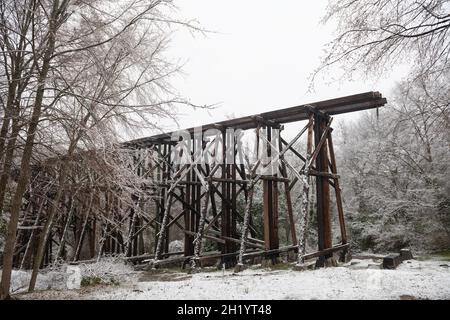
[[209, 194], [211, 208]]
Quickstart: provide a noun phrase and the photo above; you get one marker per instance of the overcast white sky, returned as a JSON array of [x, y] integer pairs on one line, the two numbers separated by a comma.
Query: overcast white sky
[[259, 59]]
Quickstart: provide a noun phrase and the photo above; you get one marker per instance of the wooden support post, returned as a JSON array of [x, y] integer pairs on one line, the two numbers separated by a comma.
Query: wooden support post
[[270, 190], [287, 194], [93, 233], [188, 239], [131, 224], [233, 205], [27, 256], [226, 217], [136, 240], [345, 254], [303, 221], [162, 149], [198, 201], [163, 229], [322, 191], [81, 239], [167, 152], [337, 190], [244, 236], [69, 215], [193, 205], [86, 210], [200, 234]]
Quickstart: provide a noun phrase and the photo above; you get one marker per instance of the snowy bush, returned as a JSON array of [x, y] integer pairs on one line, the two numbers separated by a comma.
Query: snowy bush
[[395, 173], [54, 279], [176, 245], [110, 270]]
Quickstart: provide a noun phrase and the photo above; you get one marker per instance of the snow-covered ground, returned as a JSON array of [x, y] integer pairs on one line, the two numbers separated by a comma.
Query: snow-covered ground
[[60, 278], [412, 279]]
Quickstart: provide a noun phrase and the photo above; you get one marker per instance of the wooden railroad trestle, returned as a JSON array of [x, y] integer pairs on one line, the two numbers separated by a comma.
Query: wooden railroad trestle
[[202, 200]]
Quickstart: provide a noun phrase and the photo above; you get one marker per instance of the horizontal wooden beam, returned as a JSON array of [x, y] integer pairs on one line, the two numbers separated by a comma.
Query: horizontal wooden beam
[[324, 252], [352, 103]]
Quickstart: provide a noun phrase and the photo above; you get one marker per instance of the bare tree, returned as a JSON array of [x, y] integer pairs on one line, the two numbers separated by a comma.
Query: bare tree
[[99, 70], [18, 71], [373, 36], [54, 20], [395, 170]]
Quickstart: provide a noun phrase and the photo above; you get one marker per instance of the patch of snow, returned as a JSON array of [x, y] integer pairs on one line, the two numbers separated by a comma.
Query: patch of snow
[[176, 245], [109, 269], [69, 277], [74, 278], [419, 279], [20, 280]]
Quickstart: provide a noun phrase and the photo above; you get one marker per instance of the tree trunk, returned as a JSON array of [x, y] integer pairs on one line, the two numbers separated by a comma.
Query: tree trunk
[[48, 224], [8, 112], [17, 85], [47, 227], [62, 242], [8, 160], [22, 182], [83, 230], [28, 250]]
